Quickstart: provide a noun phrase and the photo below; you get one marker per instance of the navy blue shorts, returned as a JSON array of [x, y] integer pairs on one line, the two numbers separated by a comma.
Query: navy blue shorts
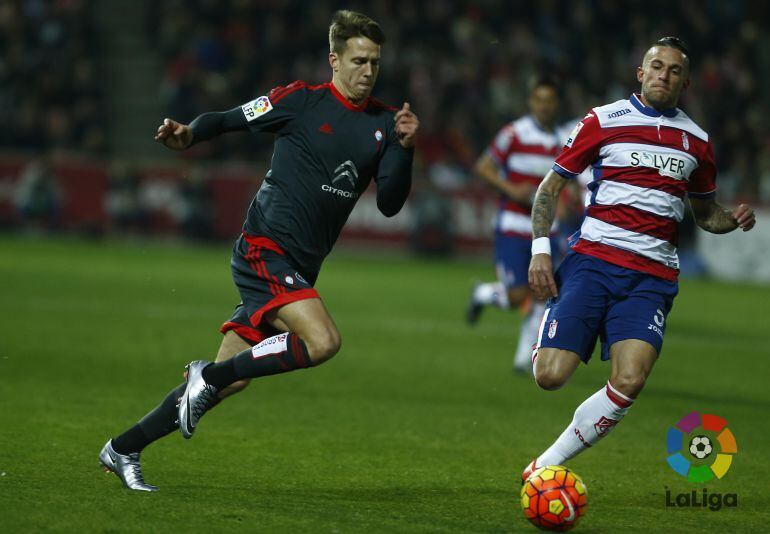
[[512, 257], [599, 300], [266, 278]]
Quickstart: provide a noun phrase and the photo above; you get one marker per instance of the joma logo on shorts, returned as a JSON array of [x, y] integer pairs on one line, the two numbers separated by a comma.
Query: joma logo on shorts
[[655, 329]]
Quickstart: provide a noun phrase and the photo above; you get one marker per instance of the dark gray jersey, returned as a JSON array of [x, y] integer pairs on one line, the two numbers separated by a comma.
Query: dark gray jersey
[[327, 151]]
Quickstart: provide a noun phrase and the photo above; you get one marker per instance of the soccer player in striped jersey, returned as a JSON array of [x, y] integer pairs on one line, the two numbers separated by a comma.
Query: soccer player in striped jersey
[[618, 282], [513, 165]]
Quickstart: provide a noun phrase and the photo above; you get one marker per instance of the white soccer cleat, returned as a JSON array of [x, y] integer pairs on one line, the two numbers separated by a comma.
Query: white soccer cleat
[[125, 466]]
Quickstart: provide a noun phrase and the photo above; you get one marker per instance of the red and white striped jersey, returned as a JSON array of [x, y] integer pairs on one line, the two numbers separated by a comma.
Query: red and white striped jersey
[[525, 152], [644, 164]]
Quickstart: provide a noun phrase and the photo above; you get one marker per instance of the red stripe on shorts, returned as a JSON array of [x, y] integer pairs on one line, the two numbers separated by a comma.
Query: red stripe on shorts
[[264, 242], [281, 300], [247, 332], [254, 258]]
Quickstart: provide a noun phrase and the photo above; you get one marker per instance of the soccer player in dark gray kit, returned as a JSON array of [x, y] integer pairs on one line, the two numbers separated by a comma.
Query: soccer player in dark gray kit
[[331, 141]]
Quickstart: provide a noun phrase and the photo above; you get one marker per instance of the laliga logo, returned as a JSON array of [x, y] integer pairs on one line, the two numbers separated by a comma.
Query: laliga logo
[[701, 438], [703, 432]]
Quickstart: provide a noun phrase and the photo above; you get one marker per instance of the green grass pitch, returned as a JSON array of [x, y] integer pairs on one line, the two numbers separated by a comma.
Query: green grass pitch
[[418, 425]]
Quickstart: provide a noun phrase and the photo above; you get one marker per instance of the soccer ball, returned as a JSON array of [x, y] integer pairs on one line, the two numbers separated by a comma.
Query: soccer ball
[[554, 498], [700, 447]]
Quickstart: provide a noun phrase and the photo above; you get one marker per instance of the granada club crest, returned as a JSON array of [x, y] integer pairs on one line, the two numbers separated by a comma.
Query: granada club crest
[[685, 141], [552, 328], [603, 425]]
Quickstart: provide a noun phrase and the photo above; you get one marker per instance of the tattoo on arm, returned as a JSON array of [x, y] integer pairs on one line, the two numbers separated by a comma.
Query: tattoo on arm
[[720, 221], [544, 206], [712, 217], [542, 214]]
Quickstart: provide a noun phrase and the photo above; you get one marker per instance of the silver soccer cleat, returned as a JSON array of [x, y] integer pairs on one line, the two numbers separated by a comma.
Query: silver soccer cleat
[[125, 466], [197, 399]]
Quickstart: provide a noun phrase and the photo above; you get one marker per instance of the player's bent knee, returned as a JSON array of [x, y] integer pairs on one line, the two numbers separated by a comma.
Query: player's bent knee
[[549, 380], [550, 371], [628, 384], [323, 346]]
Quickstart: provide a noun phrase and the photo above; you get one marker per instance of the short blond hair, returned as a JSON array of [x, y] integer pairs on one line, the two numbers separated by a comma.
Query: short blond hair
[[346, 24]]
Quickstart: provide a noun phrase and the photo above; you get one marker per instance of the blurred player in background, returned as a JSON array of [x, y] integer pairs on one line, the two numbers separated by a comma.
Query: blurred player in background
[[331, 141], [513, 165], [619, 280]]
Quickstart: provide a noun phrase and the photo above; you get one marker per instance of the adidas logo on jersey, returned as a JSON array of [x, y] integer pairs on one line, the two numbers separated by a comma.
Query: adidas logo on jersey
[[326, 128]]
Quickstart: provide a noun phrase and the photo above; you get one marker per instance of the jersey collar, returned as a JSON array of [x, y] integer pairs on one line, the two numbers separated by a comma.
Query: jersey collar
[[651, 112], [347, 103]]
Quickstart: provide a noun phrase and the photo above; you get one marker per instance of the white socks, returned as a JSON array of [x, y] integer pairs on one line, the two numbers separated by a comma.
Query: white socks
[[592, 421], [491, 293], [530, 327]]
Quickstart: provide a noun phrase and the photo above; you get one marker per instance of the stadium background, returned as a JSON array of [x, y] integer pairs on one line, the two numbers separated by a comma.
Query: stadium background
[[109, 244], [84, 85]]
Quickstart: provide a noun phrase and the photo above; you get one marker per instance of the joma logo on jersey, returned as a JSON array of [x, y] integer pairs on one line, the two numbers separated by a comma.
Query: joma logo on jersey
[[619, 113], [670, 166]]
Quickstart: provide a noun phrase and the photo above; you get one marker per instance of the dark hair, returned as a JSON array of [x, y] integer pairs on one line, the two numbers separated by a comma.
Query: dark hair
[[346, 24], [543, 80], [674, 42]]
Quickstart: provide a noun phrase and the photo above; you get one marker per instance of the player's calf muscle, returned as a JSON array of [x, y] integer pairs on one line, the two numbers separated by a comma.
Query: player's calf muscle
[[231, 345]]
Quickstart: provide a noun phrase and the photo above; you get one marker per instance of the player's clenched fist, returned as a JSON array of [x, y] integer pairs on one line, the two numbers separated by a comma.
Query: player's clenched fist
[[174, 135], [407, 124]]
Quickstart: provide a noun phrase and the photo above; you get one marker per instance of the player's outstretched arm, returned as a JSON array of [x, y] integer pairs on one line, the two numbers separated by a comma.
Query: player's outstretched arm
[[178, 136], [719, 220], [540, 274]]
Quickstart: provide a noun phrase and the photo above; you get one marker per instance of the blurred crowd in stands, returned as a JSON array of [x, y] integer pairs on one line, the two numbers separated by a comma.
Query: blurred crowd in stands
[[463, 65], [51, 94]]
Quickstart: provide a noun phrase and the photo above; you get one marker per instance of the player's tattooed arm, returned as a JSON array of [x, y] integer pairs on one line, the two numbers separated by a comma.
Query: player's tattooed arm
[[544, 205], [719, 220], [540, 275]]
